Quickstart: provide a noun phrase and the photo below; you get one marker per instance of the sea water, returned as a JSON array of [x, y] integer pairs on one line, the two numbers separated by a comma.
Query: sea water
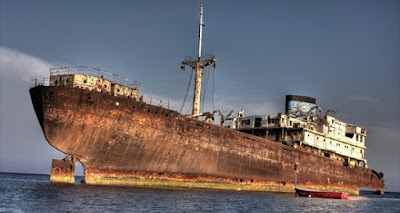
[[34, 193]]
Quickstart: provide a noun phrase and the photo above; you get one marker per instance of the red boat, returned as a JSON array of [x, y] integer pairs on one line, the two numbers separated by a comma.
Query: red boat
[[322, 194]]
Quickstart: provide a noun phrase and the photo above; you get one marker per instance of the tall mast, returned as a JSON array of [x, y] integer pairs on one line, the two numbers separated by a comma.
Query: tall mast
[[200, 30], [198, 64]]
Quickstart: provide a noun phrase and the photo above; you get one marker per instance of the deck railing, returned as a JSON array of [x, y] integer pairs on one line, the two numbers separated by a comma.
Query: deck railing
[[96, 73], [155, 101], [146, 98], [40, 82]]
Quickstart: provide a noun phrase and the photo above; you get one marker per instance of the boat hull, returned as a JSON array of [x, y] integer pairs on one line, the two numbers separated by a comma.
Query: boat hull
[[127, 142], [321, 194]]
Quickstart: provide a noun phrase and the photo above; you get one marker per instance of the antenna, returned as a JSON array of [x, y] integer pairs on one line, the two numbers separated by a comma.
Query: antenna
[[198, 64]]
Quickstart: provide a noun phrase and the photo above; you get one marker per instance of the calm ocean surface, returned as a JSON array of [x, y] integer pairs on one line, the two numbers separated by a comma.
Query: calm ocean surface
[[34, 193]]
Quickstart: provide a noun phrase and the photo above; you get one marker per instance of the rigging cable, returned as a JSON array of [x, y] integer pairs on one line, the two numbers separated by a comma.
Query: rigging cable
[[187, 91], [187, 112]]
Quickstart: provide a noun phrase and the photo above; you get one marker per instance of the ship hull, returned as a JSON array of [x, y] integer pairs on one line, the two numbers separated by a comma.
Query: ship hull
[[126, 142]]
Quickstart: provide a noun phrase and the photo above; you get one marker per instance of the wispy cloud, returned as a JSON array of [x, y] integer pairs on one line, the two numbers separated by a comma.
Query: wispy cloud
[[22, 65]]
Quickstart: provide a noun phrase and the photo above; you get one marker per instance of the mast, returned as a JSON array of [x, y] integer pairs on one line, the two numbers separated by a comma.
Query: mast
[[198, 65], [200, 30]]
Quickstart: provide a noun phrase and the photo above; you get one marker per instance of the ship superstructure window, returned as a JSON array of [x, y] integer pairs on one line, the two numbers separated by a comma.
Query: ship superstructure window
[[257, 122], [246, 122]]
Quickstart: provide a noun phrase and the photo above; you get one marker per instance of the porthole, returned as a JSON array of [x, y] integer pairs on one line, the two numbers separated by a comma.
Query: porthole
[[116, 103], [118, 90], [133, 107], [148, 110], [166, 115], [84, 81], [156, 112]]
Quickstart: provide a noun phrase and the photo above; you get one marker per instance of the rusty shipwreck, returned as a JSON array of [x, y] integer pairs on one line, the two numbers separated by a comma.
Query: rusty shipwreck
[[100, 120]]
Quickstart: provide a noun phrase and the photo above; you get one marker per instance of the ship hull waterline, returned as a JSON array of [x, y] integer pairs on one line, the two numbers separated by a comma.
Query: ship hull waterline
[[121, 141]]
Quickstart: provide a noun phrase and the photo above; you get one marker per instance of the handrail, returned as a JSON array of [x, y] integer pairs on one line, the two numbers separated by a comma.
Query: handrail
[[94, 72], [155, 101], [39, 82]]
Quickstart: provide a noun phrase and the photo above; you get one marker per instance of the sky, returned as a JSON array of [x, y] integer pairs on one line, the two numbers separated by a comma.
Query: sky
[[344, 53]]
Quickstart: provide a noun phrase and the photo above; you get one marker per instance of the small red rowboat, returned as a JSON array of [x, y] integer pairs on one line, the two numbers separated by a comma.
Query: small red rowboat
[[322, 194]]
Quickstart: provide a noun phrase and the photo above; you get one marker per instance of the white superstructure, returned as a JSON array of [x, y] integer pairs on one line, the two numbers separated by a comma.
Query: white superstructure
[[312, 131]]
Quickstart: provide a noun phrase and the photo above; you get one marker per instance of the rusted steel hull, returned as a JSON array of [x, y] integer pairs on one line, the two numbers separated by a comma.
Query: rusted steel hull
[[123, 141]]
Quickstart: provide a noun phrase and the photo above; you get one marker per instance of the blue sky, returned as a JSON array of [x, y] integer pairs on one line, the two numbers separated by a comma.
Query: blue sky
[[344, 53]]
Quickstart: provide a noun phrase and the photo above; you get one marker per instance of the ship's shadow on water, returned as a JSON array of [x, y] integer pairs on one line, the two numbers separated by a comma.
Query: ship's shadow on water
[[34, 193]]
